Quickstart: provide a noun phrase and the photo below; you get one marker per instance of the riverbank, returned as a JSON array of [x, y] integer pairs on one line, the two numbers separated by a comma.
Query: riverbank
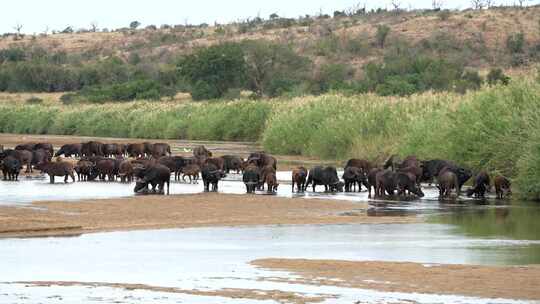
[[178, 211], [469, 280]]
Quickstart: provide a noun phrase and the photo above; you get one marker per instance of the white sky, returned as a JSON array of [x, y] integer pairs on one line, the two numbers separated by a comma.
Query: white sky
[[36, 15]]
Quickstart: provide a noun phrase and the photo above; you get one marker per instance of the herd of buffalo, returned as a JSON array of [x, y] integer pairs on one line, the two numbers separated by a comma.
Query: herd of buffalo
[[152, 164]]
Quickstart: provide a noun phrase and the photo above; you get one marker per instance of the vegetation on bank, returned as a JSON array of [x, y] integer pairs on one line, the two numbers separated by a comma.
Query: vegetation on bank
[[352, 52], [495, 128]]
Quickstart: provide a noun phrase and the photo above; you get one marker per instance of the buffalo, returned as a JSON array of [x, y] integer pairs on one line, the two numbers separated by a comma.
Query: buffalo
[[372, 180], [299, 177], [251, 178], [447, 181], [211, 174], [92, 148], [385, 182], [232, 162], [11, 167], [156, 175], [135, 150], [201, 152], [362, 164], [502, 186], [261, 160], [161, 149], [480, 186], [407, 182], [58, 168], [353, 176], [125, 171], [192, 171], [104, 168], [70, 150], [327, 177], [83, 168], [216, 161]]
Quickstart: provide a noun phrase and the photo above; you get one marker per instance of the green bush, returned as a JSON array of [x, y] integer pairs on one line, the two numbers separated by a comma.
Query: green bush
[[34, 100], [128, 91], [515, 43], [381, 34], [496, 76]]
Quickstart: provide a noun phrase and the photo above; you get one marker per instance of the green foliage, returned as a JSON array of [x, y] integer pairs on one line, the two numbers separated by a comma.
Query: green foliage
[[127, 91], [331, 77], [381, 34], [496, 76], [273, 69], [515, 43], [407, 73], [134, 25], [214, 70], [34, 100]]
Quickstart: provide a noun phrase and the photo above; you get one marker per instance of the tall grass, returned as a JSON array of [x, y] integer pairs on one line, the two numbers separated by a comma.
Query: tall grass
[[235, 120]]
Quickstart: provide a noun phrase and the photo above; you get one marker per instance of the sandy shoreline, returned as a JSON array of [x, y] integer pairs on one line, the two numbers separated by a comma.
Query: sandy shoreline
[[509, 282], [178, 211]]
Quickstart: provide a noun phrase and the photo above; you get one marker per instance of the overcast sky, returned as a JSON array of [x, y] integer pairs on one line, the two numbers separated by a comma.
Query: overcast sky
[[37, 15]]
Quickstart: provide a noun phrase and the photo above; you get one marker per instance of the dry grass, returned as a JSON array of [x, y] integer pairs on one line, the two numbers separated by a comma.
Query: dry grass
[[491, 25]]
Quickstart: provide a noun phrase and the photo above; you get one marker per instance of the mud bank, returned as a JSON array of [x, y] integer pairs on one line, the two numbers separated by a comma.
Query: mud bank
[[469, 280], [178, 211]]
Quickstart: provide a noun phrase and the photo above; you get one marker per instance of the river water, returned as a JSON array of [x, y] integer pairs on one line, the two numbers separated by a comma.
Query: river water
[[455, 232]]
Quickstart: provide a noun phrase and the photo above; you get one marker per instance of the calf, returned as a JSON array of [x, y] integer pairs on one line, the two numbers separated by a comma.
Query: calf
[[299, 176], [192, 171], [502, 186]]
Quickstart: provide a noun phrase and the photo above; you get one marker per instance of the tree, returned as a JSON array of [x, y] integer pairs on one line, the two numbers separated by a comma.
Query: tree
[[273, 68], [490, 3], [437, 4], [134, 25], [215, 69], [274, 16], [477, 4], [381, 34], [396, 4], [93, 27], [18, 27]]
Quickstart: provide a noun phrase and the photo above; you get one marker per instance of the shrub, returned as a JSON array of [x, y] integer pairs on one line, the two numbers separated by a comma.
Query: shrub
[[201, 90], [273, 69], [68, 98], [381, 34], [128, 91], [515, 43], [34, 100], [444, 15], [496, 75], [219, 67]]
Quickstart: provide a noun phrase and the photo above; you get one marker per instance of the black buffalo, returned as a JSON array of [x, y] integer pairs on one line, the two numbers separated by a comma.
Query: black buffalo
[[11, 167], [70, 150], [480, 186], [251, 178], [325, 176], [155, 175], [211, 174]]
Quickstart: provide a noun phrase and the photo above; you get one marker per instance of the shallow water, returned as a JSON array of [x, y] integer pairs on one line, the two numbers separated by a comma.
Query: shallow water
[[464, 232], [214, 258]]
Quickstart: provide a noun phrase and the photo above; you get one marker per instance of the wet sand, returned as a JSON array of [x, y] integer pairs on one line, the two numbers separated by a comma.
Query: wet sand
[[234, 293], [479, 281], [178, 211]]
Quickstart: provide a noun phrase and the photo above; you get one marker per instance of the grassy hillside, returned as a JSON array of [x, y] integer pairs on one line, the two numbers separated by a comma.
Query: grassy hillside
[[481, 34]]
